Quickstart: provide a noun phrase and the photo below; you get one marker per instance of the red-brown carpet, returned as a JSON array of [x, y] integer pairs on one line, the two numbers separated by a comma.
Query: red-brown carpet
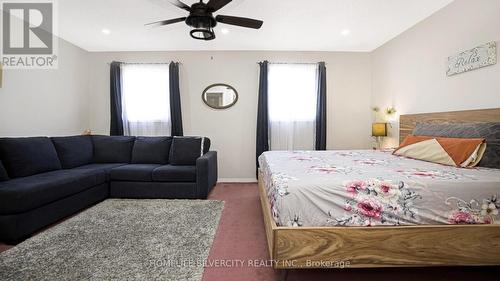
[[241, 236]]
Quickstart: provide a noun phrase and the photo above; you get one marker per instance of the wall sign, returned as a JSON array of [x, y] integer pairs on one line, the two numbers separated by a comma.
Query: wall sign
[[478, 57]]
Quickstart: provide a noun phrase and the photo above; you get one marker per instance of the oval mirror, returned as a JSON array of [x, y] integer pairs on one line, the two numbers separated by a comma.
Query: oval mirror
[[220, 96]]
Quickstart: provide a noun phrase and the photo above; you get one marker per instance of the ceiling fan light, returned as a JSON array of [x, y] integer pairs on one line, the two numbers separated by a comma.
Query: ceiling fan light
[[203, 34], [202, 20]]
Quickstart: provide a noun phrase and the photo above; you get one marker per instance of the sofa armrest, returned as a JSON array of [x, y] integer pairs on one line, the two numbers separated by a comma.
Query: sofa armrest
[[206, 173]]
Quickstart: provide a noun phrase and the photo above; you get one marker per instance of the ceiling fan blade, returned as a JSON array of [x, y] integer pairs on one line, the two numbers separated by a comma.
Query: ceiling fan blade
[[181, 5], [244, 22], [165, 22], [215, 5]]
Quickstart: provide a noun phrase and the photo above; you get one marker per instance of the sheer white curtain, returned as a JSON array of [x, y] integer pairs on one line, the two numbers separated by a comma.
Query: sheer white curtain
[[146, 100], [292, 95]]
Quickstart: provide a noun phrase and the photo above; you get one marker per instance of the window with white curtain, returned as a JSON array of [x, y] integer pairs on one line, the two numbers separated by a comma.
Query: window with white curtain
[[292, 96], [146, 99]]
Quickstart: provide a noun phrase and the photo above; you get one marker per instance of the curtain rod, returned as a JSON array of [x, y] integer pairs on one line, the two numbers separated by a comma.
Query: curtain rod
[[292, 62], [146, 63]]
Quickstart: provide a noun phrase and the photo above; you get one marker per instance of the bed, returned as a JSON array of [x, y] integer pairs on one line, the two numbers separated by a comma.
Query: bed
[[358, 209]]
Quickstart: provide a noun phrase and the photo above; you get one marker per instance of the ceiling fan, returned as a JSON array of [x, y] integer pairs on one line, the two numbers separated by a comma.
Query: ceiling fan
[[202, 21]]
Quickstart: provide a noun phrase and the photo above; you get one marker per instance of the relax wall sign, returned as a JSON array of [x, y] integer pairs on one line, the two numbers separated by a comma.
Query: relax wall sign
[[475, 58]]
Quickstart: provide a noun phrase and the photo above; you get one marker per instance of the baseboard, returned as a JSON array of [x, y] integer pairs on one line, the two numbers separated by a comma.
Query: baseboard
[[243, 180]]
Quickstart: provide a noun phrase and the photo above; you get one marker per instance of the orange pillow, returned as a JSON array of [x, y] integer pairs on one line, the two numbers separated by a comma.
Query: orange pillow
[[458, 152]]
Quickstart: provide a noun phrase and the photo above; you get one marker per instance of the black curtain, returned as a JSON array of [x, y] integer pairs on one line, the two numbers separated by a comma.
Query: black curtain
[[262, 113], [321, 108], [175, 100], [116, 126]]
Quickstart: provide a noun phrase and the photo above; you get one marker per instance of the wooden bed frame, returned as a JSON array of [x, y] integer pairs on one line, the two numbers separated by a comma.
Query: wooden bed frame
[[386, 246]]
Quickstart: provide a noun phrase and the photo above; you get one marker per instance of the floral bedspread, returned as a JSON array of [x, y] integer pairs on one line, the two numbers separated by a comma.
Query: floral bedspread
[[368, 188]]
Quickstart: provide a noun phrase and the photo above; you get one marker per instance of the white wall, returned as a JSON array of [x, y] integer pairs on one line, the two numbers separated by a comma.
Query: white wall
[[232, 131], [47, 102], [409, 72]]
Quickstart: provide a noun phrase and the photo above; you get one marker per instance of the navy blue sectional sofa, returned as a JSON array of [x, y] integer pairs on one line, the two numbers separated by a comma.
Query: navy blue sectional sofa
[[43, 179]]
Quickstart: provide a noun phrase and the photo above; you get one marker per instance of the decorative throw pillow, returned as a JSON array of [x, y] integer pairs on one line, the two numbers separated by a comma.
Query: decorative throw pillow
[[151, 150], [74, 151], [447, 151], [185, 150], [206, 144], [112, 149], [3, 173], [24, 157], [488, 131]]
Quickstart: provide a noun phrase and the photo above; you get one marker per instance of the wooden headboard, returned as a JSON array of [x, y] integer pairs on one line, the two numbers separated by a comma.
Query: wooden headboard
[[408, 122]]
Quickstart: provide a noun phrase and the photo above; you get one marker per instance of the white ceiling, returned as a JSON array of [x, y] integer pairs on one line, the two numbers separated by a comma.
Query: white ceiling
[[314, 25]]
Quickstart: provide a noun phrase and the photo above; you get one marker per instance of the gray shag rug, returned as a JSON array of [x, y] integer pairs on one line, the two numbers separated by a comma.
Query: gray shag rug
[[120, 240]]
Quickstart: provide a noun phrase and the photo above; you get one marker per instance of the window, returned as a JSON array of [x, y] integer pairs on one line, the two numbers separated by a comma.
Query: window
[[292, 101], [146, 99]]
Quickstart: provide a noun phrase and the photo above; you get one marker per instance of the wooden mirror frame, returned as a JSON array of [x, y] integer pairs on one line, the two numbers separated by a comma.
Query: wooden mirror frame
[[220, 107]]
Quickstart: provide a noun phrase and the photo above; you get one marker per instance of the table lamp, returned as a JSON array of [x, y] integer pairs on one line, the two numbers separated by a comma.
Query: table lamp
[[379, 130]]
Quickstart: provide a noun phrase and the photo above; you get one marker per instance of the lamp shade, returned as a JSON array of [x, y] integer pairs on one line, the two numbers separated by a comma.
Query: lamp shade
[[379, 129]]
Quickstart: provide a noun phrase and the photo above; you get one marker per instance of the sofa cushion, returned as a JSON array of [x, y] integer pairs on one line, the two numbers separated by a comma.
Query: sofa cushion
[[3, 173], [134, 172], [151, 150], [24, 194], [206, 145], [24, 157], [112, 149], [106, 168], [154, 190], [185, 150], [74, 151], [172, 173]]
